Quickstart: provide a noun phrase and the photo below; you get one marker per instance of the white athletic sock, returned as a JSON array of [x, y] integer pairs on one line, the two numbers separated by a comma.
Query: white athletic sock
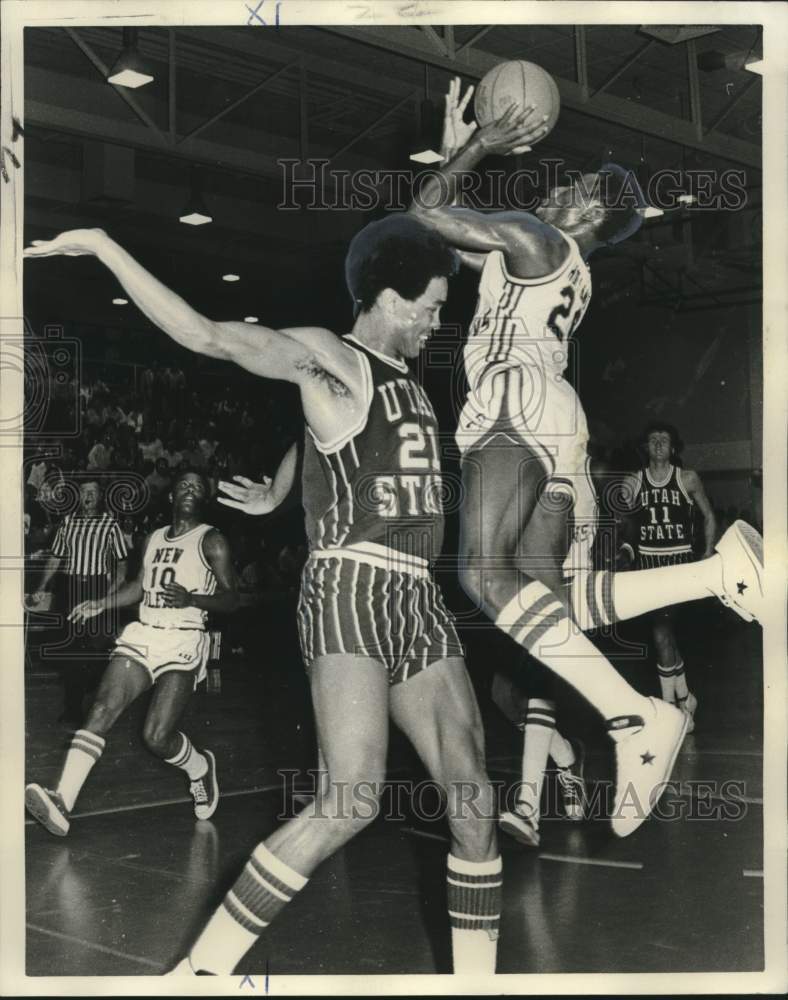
[[601, 598], [474, 897], [561, 750], [680, 689], [263, 888], [536, 619], [537, 736], [189, 759], [85, 750]]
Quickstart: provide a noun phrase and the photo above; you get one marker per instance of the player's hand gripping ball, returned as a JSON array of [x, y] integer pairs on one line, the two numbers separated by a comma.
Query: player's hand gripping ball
[[522, 84]]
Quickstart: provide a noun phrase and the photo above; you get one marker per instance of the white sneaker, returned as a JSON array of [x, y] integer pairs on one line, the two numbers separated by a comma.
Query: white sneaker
[[519, 823], [688, 705], [48, 808], [644, 761], [205, 790], [183, 968], [741, 552]]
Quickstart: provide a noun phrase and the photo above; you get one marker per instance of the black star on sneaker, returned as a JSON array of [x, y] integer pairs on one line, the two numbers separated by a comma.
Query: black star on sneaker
[[741, 586], [647, 757]]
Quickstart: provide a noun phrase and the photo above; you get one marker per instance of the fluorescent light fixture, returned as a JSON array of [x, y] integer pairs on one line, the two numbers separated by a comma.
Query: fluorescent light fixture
[[195, 219], [130, 70], [756, 66], [427, 156], [120, 302], [250, 319], [231, 277], [686, 199], [649, 212], [195, 213]]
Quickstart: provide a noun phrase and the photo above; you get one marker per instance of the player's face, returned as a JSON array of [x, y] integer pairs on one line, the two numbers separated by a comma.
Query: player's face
[[421, 316], [89, 496], [188, 494], [658, 444], [576, 197]]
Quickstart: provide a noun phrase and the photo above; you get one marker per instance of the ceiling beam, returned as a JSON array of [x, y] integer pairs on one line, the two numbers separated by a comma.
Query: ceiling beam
[[623, 67], [410, 43]]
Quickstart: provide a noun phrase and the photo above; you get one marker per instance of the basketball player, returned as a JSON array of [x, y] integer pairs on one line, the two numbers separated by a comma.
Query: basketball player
[[375, 634], [663, 498], [528, 517], [186, 573]]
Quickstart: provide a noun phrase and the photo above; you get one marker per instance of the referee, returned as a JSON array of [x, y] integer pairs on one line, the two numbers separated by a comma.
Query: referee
[[89, 552]]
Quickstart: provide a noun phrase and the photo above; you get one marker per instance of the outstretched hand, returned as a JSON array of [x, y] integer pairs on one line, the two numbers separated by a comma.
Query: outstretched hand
[[513, 132], [87, 609], [73, 243], [248, 496], [456, 131]]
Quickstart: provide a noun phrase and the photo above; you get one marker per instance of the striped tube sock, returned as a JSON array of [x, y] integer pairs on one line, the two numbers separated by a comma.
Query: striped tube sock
[[667, 682], [537, 737], [536, 619], [189, 759], [598, 600], [680, 681], [561, 750], [474, 898], [85, 750], [263, 888]]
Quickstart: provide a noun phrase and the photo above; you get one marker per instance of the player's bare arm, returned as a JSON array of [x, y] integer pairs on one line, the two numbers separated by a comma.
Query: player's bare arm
[[130, 592], [694, 487], [264, 497], [531, 248], [225, 599], [625, 557], [326, 370]]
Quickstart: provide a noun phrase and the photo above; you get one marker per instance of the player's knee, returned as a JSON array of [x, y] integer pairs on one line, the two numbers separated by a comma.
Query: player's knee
[[352, 795]]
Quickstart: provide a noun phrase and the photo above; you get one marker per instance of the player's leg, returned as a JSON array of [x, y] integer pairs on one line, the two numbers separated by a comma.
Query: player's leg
[[171, 695], [437, 711], [537, 727], [734, 575], [350, 696], [505, 513], [670, 665], [123, 681]]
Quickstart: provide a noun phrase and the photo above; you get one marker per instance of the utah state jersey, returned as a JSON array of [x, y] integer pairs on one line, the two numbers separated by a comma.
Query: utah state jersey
[[382, 482], [175, 560], [665, 514], [526, 321]]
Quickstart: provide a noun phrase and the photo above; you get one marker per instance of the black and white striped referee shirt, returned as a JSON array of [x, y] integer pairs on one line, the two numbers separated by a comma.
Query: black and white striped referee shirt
[[91, 544]]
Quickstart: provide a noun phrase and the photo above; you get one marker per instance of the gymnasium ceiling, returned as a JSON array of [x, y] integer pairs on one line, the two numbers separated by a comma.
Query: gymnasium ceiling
[[356, 97]]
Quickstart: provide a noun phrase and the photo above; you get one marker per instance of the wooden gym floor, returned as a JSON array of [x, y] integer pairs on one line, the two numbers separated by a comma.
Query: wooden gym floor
[[128, 889]]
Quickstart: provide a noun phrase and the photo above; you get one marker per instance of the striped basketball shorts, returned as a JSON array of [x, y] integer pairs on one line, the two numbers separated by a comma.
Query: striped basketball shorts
[[161, 650], [368, 600], [649, 558]]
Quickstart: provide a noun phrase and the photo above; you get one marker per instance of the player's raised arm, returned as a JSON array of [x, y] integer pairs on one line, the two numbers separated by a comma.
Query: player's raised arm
[[293, 355], [521, 236]]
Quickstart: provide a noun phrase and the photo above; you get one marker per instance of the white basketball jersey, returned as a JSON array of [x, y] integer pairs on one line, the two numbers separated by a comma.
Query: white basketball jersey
[[525, 321], [175, 560]]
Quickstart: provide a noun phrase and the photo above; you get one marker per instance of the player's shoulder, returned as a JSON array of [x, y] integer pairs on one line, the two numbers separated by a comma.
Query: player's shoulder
[[214, 540], [689, 477]]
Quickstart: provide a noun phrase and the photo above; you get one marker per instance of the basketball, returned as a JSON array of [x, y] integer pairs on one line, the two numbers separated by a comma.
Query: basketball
[[521, 83]]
